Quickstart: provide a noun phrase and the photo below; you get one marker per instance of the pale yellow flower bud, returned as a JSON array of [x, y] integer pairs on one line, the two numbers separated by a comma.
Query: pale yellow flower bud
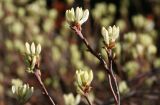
[[77, 16], [69, 99], [110, 35], [22, 92], [83, 80], [32, 56]]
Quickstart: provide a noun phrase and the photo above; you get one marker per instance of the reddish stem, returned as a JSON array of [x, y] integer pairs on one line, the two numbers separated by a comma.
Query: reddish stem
[[37, 73]]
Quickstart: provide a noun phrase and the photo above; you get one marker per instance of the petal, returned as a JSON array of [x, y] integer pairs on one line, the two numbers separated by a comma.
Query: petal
[[78, 99], [24, 90], [32, 89], [86, 76], [72, 15], [105, 35], [110, 31], [38, 49], [33, 48], [85, 16], [79, 14], [27, 48], [117, 33], [67, 17], [90, 77], [78, 78], [103, 31], [13, 89]]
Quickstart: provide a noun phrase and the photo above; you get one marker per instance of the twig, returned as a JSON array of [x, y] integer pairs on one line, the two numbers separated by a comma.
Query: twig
[[109, 70], [134, 92], [89, 102], [110, 57], [78, 32], [38, 76], [111, 88]]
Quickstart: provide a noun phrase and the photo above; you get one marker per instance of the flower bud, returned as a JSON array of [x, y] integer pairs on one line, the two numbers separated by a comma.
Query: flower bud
[[22, 92], [110, 36], [69, 99], [83, 80], [32, 56], [77, 17]]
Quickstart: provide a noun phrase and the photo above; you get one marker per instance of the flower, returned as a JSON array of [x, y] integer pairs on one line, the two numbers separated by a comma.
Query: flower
[[83, 81], [32, 55], [21, 91], [77, 17], [69, 99], [110, 35]]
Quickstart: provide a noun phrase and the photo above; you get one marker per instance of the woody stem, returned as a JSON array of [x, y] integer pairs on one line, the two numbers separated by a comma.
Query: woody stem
[[37, 74], [109, 69], [86, 97]]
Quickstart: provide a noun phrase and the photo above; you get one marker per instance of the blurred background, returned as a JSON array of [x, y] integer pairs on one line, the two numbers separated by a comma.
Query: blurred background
[[137, 63]]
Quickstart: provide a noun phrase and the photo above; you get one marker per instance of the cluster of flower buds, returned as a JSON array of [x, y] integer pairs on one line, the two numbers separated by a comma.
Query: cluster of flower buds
[[69, 99], [77, 17], [83, 81], [110, 36], [21, 91], [32, 55]]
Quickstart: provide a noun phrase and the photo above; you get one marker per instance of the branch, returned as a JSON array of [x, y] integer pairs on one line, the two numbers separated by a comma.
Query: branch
[[111, 88], [98, 56], [109, 70], [110, 57], [37, 73], [89, 102]]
